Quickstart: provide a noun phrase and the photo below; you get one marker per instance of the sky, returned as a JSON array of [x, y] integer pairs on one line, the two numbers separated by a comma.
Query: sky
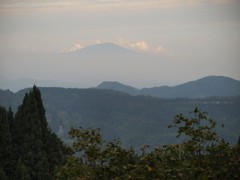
[[191, 38]]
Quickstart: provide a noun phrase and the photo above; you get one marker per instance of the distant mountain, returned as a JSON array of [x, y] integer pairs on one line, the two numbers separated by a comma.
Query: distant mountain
[[117, 87], [87, 67], [18, 84], [205, 87], [104, 48]]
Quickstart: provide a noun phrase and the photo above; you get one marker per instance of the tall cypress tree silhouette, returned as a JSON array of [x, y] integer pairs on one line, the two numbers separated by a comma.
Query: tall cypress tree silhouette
[[38, 151]]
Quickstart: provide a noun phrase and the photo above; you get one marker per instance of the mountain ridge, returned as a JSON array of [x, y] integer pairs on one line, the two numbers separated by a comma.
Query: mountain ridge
[[114, 85], [104, 48], [200, 88]]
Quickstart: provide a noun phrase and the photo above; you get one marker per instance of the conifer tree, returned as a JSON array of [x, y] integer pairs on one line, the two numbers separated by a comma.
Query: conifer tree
[[5, 144], [38, 150]]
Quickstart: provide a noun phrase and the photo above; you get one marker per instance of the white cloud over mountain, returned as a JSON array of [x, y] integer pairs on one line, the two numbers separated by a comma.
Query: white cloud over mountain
[[76, 47], [141, 46], [203, 36]]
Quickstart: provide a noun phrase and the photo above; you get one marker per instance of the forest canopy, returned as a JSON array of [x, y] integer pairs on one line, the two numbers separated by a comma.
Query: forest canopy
[[201, 155], [30, 150]]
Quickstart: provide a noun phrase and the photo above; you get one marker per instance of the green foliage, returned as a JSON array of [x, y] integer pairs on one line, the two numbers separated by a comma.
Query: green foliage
[[22, 171], [201, 155], [206, 155], [2, 174], [6, 154], [198, 131], [96, 158]]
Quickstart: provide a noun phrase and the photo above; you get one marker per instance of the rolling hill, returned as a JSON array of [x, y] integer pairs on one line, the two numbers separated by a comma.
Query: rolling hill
[[113, 85], [201, 88]]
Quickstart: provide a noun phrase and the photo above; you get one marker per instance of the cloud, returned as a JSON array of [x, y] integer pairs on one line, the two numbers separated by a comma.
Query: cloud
[[141, 45], [147, 48], [98, 41], [161, 49], [100, 5], [76, 47]]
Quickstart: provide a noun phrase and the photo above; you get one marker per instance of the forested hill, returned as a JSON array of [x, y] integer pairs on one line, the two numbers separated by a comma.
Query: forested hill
[[136, 120], [201, 88]]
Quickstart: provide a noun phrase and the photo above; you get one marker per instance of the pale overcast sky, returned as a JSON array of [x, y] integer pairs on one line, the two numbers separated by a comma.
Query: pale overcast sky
[[197, 37]]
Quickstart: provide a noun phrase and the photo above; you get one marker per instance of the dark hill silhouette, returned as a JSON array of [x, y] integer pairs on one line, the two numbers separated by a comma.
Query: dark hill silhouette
[[117, 87], [201, 88]]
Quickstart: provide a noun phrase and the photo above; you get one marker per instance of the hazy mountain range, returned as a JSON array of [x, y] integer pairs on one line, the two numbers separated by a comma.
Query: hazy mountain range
[[83, 68], [137, 119], [94, 64], [205, 87]]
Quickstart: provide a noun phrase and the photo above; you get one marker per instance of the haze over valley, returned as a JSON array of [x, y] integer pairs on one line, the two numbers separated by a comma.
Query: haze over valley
[[138, 116], [140, 43]]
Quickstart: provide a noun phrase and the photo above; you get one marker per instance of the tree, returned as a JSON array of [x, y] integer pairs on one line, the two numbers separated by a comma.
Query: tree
[[202, 155], [22, 171], [6, 155], [205, 154], [37, 150], [96, 158]]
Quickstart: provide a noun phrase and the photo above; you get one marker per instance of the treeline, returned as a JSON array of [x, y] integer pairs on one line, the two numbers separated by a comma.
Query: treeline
[[201, 155], [28, 148]]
